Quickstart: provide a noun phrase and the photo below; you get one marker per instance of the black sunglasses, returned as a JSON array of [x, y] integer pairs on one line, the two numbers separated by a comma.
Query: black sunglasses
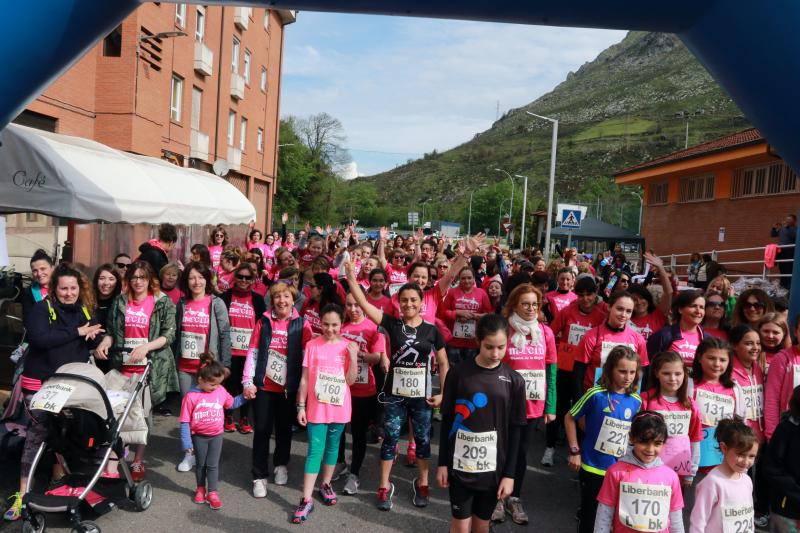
[[714, 304], [244, 278], [122, 265]]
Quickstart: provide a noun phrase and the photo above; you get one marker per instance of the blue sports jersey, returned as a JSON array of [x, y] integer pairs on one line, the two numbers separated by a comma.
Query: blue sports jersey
[[608, 416]]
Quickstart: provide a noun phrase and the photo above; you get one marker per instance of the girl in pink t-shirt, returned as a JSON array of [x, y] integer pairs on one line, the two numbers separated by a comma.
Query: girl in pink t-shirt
[[669, 398], [640, 492], [202, 420], [748, 374], [330, 366], [724, 499]]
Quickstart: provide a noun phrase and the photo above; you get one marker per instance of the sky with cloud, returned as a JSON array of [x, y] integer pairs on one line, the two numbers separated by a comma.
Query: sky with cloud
[[405, 86]]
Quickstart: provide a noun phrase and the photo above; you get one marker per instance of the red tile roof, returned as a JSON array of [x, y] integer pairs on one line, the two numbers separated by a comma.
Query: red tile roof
[[734, 140]]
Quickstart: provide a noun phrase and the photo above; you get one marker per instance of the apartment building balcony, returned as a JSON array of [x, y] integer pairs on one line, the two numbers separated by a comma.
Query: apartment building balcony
[[234, 158], [198, 145], [203, 59], [237, 86]]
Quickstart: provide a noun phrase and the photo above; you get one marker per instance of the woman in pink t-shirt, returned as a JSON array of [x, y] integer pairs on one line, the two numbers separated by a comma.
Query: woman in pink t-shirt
[[563, 296], [330, 366], [747, 373], [376, 290], [461, 309], [783, 377], [774, 334], [217, 241]]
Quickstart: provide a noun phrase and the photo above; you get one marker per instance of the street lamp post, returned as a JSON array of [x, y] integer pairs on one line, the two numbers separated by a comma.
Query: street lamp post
[[552, 182], [500, 218], [524, 209], [641, 207], [423, 210], [511, 208], [469, 219]]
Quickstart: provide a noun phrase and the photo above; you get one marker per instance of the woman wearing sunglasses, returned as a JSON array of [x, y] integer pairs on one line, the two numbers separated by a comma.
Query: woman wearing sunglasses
[[751, 306], [715, 323], [245, 306], [217, 242]]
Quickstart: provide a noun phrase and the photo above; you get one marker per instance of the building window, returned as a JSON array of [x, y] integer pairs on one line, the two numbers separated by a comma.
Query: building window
[[766, 180], [200, 29], [180, 15], [197, 105], [112, 44], [260, 140], [696, 189], [243, 134], [247, 60], [231, 127], [176, 100], [266, 19], [235, 56], [31, 217], [264, 79], [658, 193]]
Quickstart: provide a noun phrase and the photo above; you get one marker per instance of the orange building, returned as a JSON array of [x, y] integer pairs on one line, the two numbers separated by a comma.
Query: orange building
[[188, 83], [723, 194]]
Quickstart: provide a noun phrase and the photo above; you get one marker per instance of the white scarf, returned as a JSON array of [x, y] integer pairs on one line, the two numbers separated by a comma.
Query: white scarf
[[522, 329]]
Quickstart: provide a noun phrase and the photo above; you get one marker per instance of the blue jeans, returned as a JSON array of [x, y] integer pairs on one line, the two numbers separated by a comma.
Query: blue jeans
[[396, 409]]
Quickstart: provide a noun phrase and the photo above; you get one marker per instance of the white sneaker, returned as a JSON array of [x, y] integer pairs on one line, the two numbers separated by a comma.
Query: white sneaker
[[340, 471], [351, 485], [547, 458], [259, 488], [187, 464], [281, 474]]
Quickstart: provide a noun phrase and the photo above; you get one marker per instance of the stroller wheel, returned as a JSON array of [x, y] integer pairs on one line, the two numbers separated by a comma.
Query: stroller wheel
[[143, 495], [28, 527], [87, 527]]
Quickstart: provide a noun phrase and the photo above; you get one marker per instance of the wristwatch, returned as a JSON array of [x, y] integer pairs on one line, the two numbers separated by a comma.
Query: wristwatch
[[574, 450]]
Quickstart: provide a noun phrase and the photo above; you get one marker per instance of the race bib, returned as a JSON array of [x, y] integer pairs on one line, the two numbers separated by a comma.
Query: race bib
[[276, 367], [409, 382], [363, 371], [240, 338], [753, 402], [738, 518], [464, 329], [576, 334], [607, 346], [644, 507], [796, 376], [128, 346], [192, 344], [330, 388], [475, 452], [51, 397], [677, 422], [394, 288], [613, 437], [534, 383], [714, 407]]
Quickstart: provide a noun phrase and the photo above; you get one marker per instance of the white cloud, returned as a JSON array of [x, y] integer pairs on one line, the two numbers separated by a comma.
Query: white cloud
[[348, 171], [412, 85]]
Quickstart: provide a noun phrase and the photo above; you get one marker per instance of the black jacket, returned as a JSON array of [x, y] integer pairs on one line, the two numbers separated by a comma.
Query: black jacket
[[661, 340], [55, 341], [153, 255], [782, 468]]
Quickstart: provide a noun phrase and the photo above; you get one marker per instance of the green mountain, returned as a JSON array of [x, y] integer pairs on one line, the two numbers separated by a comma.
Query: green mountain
[[630, 104]]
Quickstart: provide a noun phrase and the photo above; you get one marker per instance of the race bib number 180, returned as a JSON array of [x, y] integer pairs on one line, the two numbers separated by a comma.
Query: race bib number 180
[[409, 382]]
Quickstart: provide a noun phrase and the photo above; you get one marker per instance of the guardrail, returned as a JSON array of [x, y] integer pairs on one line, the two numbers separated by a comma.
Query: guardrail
[[734, 260]]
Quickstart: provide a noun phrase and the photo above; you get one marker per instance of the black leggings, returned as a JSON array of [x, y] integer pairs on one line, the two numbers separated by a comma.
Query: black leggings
[[590, 488], [564, 401], [272, 410], [526, 438], [234, 386], [363, 414]]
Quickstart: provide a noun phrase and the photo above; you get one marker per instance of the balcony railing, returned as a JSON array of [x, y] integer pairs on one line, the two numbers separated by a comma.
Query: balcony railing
[[237, 86], [198, 145], [203, 59], [241, 17], [234, 158]]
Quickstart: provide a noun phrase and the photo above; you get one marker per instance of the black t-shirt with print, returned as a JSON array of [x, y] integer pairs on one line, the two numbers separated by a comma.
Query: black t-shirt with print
[[410, 349], [483, 404]]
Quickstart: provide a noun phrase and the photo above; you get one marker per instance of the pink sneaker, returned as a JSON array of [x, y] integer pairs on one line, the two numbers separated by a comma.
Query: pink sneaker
[[200, 495], [213, 500]]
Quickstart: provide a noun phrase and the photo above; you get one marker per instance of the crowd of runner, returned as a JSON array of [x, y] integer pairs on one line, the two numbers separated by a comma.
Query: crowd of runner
[[678, 407]]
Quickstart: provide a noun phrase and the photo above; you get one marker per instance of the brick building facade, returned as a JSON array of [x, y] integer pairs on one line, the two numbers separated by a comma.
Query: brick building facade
[[188, 83], [720, 195]]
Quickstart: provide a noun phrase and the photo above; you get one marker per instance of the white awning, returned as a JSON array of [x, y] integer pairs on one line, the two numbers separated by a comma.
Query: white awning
[[76, 178]]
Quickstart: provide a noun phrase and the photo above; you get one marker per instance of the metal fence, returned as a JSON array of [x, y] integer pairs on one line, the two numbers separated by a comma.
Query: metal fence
[[738, 262]]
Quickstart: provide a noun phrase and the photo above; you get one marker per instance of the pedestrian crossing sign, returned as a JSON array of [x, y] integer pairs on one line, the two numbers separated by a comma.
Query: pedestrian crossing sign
[[571, 218]]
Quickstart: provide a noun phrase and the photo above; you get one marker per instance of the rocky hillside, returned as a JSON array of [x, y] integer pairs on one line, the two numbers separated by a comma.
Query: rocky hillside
[[626, 106]]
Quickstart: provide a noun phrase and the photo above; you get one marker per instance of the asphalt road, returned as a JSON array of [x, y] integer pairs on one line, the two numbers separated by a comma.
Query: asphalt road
[[550, 494]]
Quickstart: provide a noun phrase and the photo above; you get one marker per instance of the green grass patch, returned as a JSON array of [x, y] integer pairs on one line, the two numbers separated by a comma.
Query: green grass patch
[[615, 127]]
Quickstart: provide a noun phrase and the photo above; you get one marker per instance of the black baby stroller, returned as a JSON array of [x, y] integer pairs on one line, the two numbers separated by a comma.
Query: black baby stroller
[[82, 433]]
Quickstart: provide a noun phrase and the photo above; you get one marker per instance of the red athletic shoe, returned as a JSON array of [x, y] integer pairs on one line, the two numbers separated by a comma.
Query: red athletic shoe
[[213, 500], [244, 426], [137, 471], [200, 495], [230, 426]]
